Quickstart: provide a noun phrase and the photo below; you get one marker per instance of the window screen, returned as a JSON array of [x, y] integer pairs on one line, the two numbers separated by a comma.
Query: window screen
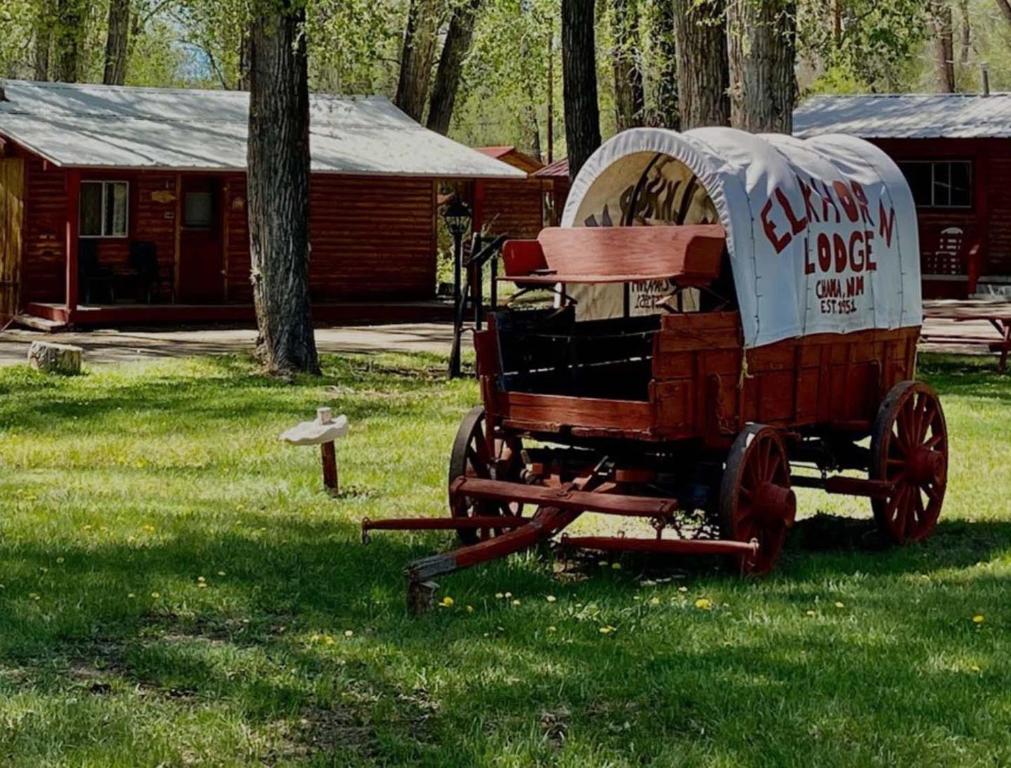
[[939, 183], [104, 208]]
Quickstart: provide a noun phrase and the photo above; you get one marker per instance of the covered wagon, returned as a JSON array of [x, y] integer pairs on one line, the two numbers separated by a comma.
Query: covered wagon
[[731, 316]]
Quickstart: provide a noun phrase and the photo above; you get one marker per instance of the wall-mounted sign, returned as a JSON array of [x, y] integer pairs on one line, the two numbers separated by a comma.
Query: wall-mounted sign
[[163, 196]]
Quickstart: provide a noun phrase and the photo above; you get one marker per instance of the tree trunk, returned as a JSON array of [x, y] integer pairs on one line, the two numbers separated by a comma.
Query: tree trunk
[[417, 56], [664, 92], [68, 36], [116, 42], [278, 187], [944, 45], [447, 77], [966, 52], [43, 42], [1005, 8], [629, 99], [701, 42], [761, 45], [579, 82], [245, 53]]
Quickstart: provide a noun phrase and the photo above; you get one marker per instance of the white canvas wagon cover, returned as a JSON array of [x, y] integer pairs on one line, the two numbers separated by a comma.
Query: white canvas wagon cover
[[821, 232]]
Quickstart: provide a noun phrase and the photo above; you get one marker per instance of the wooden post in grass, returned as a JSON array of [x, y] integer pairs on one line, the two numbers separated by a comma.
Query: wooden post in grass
[[324, 432], [328, 454]]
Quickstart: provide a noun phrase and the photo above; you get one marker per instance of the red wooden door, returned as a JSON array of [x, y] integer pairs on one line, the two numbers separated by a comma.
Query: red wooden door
[[201, 256]]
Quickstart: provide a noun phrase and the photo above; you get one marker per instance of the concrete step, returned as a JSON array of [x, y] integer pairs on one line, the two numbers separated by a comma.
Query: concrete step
[[34, 323]]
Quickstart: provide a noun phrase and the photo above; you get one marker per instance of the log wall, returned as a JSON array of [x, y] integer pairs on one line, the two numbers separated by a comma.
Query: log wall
[[373, 238]]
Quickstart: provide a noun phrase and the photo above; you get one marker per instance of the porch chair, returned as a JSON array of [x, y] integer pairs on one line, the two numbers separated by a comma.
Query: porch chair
[[91, 275], [144, 262]]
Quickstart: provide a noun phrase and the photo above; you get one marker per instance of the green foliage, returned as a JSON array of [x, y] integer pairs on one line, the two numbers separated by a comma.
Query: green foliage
[[861, 44], [16, 35]]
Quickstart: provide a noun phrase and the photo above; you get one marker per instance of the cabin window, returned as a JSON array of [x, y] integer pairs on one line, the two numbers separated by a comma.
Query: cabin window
[[939, 183], [104, 208]]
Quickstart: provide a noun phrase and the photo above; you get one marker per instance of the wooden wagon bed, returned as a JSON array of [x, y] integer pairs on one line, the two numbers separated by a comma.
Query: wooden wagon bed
[[686, 377]]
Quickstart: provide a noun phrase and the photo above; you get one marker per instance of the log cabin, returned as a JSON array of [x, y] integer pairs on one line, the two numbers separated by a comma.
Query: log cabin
[[128, 205], [512, 206], [955, 152]]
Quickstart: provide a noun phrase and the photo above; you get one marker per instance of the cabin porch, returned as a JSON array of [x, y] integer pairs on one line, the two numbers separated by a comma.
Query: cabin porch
[[51, 316]]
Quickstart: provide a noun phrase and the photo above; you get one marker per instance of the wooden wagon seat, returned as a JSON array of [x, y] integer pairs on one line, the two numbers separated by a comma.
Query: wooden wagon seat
[[690, 255]]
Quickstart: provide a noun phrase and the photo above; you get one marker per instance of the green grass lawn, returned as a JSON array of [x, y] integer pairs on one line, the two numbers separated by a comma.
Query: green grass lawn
[[176, 590]]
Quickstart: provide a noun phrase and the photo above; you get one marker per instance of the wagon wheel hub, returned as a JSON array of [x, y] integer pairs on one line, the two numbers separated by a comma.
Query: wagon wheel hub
[[774, 503], [926, 465]]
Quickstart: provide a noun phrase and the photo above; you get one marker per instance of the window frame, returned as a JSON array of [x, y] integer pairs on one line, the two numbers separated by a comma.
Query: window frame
[[106, 185], [948, 161]]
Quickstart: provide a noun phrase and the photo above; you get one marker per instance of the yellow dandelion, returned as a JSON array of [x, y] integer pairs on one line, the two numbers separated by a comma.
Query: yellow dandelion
[[810, 613], [551, 598], [840, 604], [606, 629], [615, 566], [979, 618], [221, 573], [131, 595], [446, 602], [156, 595], [704, 604], [654, 601], [508, 595], [602, 563], [552, 629], [349, 633], [470, 609], [974, 667], [682, 589], [516, 602], [499, 595], [59, 559], [202, 585]]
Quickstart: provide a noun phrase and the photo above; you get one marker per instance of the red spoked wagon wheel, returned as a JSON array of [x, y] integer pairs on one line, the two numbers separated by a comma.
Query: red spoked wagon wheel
[[756, 501], [909, 447], [471, 458]]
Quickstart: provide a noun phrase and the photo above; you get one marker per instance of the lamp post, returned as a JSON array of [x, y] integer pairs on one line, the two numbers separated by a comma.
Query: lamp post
[[457, 217]]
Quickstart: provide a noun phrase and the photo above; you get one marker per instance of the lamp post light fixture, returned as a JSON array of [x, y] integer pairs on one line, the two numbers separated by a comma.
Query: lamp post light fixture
[[458, 219]]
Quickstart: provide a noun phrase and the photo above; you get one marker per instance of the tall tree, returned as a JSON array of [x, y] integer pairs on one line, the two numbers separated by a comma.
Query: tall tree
[[417, 56], [43, 45], [68, 38], [278, 181], [629, 98], [1005, 8], [663, 105], [117, 42], [703, 73], [761, 46], [944, 45], [447, 77], [579, 82]]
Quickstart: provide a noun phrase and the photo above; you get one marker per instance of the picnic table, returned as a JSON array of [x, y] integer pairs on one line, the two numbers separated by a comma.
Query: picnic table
[[996, 312]]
